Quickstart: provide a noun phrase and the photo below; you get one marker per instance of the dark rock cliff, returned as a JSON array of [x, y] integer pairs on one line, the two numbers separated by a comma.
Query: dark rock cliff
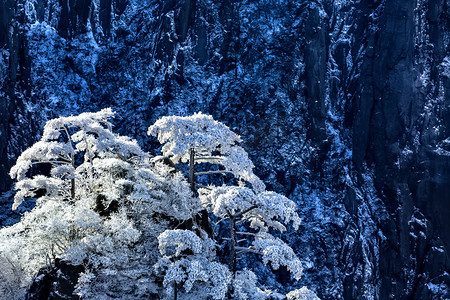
[[343, 105], [391, 133]]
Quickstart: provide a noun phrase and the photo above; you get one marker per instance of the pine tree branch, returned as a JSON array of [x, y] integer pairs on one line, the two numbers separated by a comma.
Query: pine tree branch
[[246, 233], [244, 211], [52, 162], [243, 250], [213, 172], [197, 158], [65, 159], [218, 222]]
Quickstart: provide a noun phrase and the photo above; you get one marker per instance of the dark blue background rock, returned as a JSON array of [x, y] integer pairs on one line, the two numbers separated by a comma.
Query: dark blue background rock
[[343, 106]]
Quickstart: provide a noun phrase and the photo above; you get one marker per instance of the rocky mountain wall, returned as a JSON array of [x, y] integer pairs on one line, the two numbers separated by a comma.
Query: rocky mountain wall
[[342, 105]]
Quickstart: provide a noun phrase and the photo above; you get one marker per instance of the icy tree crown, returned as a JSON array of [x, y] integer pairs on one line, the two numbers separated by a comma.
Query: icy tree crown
[[88, 134], [212, 142], [199, 131]]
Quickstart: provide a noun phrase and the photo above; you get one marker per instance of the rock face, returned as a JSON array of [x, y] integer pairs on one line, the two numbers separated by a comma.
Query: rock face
[[392, 132], [57, 283], [343, 106], [14, 73]]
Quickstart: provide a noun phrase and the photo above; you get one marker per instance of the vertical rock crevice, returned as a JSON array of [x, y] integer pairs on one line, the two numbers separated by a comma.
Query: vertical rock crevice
[[316, 53]]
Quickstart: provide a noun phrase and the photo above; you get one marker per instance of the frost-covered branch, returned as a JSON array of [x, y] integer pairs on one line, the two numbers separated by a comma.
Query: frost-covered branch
[[246, 233], [211, 159], [245, 250], [52, 162], [237, 215]]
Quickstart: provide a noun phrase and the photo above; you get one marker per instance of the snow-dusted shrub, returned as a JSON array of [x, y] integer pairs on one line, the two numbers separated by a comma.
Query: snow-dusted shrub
[[245, 286], [188, 266]]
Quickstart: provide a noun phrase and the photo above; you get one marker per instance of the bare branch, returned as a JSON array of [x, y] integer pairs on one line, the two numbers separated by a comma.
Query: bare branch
[[241, 221], [64, 158], [213, 172], [246, 233], [218, 222], [243, 250]]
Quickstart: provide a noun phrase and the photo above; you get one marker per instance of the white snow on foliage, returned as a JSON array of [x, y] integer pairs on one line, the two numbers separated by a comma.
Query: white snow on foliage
[[200, 131], [302, 294], [278, 253], [206, 136], [268, 206], [181, 239], [132, 221]]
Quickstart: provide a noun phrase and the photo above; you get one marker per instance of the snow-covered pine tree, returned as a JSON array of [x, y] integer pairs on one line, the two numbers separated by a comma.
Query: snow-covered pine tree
[[200, 139]]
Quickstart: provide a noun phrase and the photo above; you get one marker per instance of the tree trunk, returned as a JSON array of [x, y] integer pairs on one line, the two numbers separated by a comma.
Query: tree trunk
[[202, 217], [72, 188], [191, 170], [175, 291], [232, 244]]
